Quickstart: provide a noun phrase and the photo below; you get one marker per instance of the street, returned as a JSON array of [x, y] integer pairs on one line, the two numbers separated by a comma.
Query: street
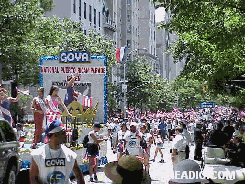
[[160, 172]]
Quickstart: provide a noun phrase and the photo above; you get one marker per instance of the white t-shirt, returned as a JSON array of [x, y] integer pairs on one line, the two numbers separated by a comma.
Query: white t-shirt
[[115, 129], [111, 126], [96, 134], [132, 144], [55, 166], [187, 136], [169, 126], [120, 135], [146, 136], [179, 142], [158, 139], [192, 127]]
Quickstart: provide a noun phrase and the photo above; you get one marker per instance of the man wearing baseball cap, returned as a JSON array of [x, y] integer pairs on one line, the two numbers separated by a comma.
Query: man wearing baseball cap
[[132, 140], [54, 162]]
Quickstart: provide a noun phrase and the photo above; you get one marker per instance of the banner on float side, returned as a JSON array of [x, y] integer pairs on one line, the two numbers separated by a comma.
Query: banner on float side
[[92, 81]]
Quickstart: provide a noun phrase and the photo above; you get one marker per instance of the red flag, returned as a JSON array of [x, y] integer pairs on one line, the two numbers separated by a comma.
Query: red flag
[[118, 54]]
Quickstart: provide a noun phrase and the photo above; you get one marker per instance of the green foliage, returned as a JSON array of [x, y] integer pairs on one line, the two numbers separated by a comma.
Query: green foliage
[[147, 90], [188, 93], [26, 35], [24, 100], [114, 96], [211, 39]]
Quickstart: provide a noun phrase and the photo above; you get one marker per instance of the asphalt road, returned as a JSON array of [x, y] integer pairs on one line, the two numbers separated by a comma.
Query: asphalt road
[[160, 172]]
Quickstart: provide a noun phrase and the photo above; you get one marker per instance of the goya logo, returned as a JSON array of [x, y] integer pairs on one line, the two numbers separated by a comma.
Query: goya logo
[[132, 144], [75, 57], [56, 177], [55, 162]]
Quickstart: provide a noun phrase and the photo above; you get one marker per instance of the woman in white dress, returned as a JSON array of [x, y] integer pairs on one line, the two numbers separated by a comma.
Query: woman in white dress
[[53, 102]]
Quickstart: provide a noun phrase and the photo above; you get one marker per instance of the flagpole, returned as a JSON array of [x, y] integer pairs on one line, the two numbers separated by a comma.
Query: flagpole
[[124, 82]]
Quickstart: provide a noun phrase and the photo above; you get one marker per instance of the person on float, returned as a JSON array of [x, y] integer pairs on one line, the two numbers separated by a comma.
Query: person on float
[[92, 151], [145, 146], [5, 101], [71, 94], [119, 140], [53, 162], [39, 108], [53, 102]]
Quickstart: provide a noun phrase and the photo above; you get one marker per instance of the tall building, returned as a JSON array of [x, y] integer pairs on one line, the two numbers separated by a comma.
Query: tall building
[[147, 34], [94, 14], [168, 69]]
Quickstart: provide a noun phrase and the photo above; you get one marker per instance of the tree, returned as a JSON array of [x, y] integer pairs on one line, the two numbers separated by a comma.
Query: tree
[[26, 35], [145, 89], [188, 93], [210, 39]]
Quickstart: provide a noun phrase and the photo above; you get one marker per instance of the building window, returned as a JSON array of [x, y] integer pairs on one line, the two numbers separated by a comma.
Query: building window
[[85, 32], [128, 43], [154, 51], [90, 13], [74, 6], [128, 17], [85, 11], [128, 1], [129, 29], [154, 35], [80, 9], [154, 19], [136, 32], [99, 19], [95, 16]]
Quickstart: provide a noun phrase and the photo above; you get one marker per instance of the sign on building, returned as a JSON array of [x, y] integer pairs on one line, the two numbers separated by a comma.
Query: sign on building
[[91, 82]]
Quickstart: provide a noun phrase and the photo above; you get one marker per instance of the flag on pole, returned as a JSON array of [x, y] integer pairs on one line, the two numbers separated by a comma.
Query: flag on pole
[[120, 53]]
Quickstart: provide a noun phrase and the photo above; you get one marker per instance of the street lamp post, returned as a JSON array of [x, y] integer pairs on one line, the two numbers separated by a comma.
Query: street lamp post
[[124, 82]]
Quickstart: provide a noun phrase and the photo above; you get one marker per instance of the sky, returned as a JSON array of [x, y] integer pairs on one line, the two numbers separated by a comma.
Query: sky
[[160, 13]]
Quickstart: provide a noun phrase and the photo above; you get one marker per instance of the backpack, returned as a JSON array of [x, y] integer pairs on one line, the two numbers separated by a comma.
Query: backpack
[[85, 141]]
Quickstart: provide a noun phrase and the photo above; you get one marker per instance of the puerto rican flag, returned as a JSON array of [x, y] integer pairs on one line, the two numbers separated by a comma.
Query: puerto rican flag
[[120, 53], [87, 101], [51, 116]]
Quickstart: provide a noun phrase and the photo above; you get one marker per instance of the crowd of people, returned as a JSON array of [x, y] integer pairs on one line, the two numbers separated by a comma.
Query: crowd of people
[[135, 136], [131, 138]]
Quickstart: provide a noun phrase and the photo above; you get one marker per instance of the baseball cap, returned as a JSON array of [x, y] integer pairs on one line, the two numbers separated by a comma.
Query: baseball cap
[[54, 126], [133, 124], [97, 124]]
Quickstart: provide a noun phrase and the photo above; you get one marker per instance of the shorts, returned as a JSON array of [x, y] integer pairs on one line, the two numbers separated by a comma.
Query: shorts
[[92, 150], [159, 145], [145, 151]]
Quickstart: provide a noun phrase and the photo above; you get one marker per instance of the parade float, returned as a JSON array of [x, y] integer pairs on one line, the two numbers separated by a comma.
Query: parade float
[[90, 107]]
